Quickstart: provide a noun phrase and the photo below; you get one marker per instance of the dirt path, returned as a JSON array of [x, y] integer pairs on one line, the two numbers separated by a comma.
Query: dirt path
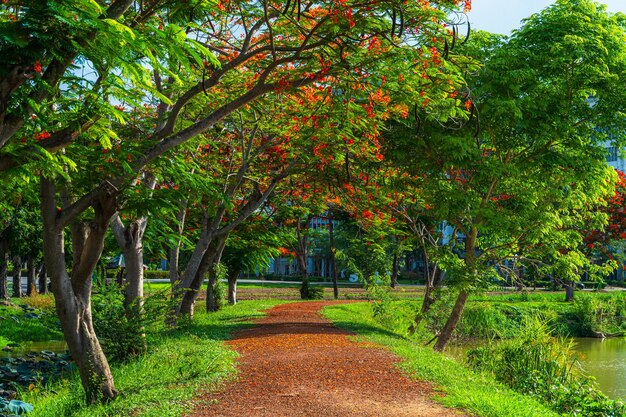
[[295, 363]]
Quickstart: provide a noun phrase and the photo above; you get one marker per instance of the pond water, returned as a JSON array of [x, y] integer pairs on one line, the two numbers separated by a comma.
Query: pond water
[[604, 359], [56, 346]]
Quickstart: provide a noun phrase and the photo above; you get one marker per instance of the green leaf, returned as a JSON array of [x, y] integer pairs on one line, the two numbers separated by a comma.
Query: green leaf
[[20, 407], [117, 26]]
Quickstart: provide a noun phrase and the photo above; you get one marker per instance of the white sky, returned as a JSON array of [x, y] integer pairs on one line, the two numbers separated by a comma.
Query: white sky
[[502, 16]]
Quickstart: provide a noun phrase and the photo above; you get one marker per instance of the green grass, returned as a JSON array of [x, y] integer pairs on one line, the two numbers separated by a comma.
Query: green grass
[[461, 387], [161, 383], [15, 328]]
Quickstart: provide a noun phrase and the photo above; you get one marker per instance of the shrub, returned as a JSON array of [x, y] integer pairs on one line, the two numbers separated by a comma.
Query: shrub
[[156, 274], [534, 363], [39, 301], [411, 276], [485, 320], [309, 292], [122, 337]]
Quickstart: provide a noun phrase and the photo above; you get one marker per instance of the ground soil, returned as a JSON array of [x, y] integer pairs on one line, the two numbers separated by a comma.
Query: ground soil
[[295, 363]]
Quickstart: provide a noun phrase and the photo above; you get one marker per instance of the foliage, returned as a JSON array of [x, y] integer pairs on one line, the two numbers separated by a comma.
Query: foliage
[[378, 290], [311, 292], [536, 364], [600, 315], [484, 320], [32, 372], [121, 337], [393, 315], [14, 408]]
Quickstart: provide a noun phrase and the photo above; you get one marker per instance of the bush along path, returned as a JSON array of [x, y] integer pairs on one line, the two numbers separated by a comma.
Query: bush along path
[[295, 363]]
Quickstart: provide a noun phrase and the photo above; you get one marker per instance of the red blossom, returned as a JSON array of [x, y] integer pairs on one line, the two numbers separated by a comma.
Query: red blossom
[[41, 135]]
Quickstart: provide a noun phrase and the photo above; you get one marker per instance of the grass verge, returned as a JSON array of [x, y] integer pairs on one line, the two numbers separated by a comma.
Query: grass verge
[[18, 325], [461, 387], [163, 382]]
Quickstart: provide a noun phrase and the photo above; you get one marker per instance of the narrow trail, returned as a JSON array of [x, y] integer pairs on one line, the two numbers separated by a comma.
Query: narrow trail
[[295, 363]]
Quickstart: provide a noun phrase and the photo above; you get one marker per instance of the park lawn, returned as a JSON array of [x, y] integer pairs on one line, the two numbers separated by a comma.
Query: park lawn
[[459, 386], [16, 326], [162, 382]]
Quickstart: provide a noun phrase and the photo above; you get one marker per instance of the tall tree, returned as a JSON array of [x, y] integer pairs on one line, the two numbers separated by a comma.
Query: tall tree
[[161, 52], [529, 179]]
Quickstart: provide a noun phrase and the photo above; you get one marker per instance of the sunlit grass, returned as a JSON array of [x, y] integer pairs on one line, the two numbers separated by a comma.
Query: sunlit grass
[[163, 382]]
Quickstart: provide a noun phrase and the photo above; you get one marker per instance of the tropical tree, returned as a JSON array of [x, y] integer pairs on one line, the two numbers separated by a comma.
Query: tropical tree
[[163, 55], [523, 184]]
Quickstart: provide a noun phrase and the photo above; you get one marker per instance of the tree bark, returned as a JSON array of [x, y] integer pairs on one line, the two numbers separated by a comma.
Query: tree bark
[[453, 321], [173, 253], [459, 305], [189, 294], [569, 291], [72, 292], [302, 247], [333, 257], [130, 240], [394, 270], [4, 269], [212, 303], [31, 276], [232, 287], [43, 280], [17, 277]]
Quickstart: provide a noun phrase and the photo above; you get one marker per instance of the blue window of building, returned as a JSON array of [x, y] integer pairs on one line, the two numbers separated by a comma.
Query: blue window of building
[[611, 154]]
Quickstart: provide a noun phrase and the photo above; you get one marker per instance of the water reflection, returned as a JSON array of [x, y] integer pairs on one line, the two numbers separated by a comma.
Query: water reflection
[[56, 346], [605, 359]]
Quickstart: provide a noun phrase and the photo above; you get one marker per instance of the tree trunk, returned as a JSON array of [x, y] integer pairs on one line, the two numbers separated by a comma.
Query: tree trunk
[[189, 293], [333, 255], [434, 278], [43, 280], [232, 288], [201, 259], [569, 291], [302, 247], [4, 269], [188, 290], [459, 305], [130, 240], [212, 303], [394, 271], [453, 321], [31, 276], [173, 253], [72, 293], [17, 277]]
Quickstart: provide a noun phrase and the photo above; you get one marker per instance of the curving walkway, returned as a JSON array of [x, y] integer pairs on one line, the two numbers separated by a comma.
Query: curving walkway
[[295, 363]]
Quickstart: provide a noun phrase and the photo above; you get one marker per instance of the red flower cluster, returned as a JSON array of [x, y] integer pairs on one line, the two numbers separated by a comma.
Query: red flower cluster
[[41, 135]]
